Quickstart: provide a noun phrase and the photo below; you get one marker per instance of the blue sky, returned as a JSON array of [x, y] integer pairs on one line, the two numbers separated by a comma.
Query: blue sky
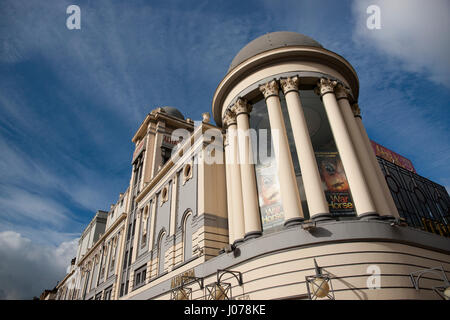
[[71, 100]]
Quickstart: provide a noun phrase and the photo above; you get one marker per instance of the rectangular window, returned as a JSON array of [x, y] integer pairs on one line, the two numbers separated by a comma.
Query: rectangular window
[[125, 260], [130, 256], [134, 227], [139, 276], [138, 279], [129, 232], [107, 295]]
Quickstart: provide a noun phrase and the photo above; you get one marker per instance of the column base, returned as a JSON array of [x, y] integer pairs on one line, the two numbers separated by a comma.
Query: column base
[[369, 216], [237, 242], [252, 235], [293, 222], [387, 218], [322, 217]]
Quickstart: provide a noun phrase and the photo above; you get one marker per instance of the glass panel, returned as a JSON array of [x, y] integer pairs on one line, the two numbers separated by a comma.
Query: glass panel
[[335, 185], [294, 157], [271, 208]]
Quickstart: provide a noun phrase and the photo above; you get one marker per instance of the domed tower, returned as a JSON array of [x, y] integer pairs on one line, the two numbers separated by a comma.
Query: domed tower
[[317, 162]]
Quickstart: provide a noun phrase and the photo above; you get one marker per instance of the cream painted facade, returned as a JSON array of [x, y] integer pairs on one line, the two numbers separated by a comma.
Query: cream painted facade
[[184, 219]]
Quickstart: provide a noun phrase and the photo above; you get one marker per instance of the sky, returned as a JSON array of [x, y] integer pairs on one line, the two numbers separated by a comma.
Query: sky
[[71, 100]]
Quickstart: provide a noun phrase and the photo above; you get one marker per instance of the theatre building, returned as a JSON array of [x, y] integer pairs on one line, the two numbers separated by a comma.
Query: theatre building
[[285, 197]]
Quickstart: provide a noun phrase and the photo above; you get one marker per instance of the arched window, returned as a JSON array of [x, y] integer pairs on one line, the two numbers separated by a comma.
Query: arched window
[[144, 226], [187, 236], [161, 252]]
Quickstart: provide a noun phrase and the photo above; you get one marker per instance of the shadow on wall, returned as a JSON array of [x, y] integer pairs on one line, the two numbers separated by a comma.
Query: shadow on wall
[[319, 232], [361, 295]]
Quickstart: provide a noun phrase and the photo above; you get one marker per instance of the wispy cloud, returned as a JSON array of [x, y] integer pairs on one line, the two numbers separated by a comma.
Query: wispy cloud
[[413, 32]]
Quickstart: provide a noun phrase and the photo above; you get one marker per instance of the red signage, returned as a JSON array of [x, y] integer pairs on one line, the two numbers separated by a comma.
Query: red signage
[[391, 156], [139, 148]]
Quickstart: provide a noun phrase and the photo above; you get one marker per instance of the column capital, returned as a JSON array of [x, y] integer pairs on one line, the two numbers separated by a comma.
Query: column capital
[[229, 118], [341, 92], [269, 89], [290, 84], [325, 86], [241, 106], [356, 110]]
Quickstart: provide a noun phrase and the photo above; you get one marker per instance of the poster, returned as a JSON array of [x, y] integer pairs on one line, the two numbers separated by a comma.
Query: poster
[[337, 191], [272, 214]]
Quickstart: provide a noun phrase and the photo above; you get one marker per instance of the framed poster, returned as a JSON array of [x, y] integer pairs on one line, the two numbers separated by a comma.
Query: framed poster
[[337, 191], [270, 206]]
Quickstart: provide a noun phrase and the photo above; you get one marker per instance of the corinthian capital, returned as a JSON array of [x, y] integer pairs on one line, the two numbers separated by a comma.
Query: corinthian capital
[[229, 118], [341, 92], [325, 86], [241, 106], [356, 110], [269, 89], [289, 84]]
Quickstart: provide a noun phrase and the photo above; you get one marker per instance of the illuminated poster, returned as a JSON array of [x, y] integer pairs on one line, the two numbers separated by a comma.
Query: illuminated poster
[[272, 214], [337, 191]]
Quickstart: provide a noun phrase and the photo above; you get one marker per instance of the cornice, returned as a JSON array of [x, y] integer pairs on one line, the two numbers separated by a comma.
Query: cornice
[[278, 55]]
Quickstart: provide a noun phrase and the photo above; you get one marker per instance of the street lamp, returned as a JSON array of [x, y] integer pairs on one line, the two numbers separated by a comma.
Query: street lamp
[[319, 285], [442, 291]]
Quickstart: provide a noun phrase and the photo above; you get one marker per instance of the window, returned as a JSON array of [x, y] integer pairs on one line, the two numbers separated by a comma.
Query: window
[[107, 295], [140, 275], [134, 227], [130, 256], [125, 260], [164, 195], [138, 279], [187, 172], [187, 237], [121, 289], [129, 232], [144, 226], [328, 160], [166, 153], [161, 253]]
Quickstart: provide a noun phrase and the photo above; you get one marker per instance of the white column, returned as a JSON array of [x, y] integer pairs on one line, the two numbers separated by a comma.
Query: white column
[[315, 196], [358, 187], [393, 211], [252, 218], [292, 207], [228, 168], [361, 151], [237, 207]]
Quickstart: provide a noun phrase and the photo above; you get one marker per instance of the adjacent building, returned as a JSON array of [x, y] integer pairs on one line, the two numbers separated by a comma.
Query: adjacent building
[[284, 198]]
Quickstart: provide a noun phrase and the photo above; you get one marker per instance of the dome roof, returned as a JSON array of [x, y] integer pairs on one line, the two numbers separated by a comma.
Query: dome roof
[[174, 112], [271, 41]]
